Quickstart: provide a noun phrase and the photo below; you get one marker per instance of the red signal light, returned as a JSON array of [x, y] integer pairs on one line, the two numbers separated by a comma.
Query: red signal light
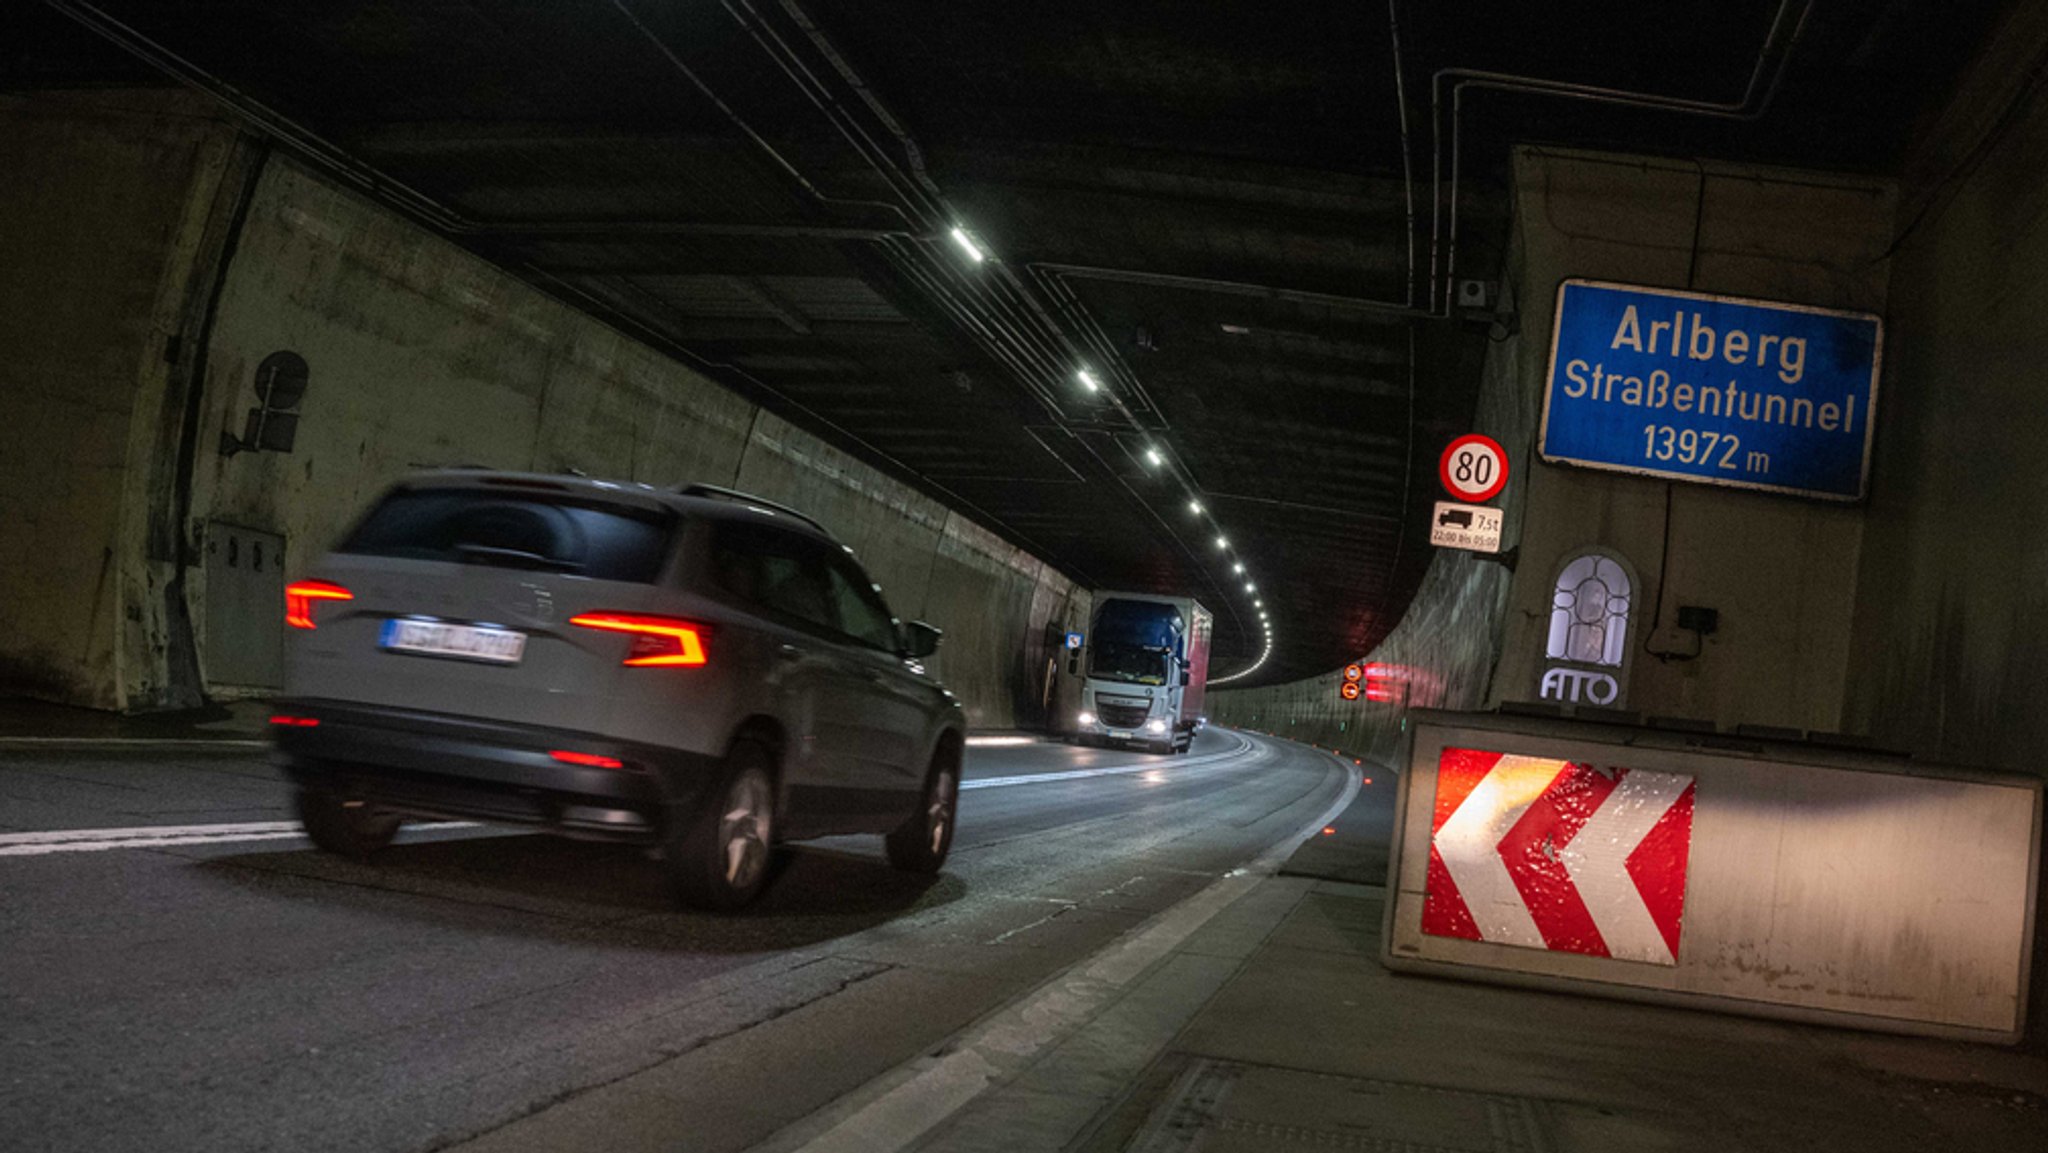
[[657, 641], [295, 722], [1384, 682], [593, 760], [300, 595]]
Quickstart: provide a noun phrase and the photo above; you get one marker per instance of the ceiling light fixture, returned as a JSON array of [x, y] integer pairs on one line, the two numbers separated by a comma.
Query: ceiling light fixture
[[1088, 380], [1153, 458], [1195, 506], [1222, 542], [968, 246]]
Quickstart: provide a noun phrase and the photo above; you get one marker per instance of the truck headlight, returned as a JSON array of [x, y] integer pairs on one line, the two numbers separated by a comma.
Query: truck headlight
[[1086, 717], [1155, 725]]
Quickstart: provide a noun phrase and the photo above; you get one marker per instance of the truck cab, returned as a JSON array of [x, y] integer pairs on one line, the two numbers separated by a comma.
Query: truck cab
[[1146, 666]]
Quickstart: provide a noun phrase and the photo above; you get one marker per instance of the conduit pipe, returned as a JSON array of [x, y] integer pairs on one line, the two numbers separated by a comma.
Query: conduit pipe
[[1756, 100], [911, 151], [324, 153], [1044, 341]]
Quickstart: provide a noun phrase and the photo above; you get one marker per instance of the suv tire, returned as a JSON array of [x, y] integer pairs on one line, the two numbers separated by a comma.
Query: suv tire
[[346, 829], [920, 844], [720, 856]]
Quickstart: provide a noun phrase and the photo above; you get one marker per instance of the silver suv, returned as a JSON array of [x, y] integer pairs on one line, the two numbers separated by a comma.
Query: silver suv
[[698, 670]]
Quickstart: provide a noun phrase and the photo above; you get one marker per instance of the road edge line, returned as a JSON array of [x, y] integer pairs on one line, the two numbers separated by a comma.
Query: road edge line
[[903, 1105]]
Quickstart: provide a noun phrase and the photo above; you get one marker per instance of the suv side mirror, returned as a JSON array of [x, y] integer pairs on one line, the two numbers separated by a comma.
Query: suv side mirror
[[920, 639]]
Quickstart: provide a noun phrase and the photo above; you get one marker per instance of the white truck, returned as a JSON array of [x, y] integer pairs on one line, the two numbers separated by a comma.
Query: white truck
[[1146, 666]]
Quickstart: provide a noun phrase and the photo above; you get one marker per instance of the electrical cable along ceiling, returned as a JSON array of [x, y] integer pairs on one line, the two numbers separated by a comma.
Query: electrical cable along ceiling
[[1159, 291]]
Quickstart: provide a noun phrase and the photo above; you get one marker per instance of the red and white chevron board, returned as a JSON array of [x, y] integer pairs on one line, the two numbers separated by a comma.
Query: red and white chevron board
[[1552, 854]]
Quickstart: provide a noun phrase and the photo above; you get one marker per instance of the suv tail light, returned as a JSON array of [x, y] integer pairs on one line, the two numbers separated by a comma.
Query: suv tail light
[[656, 640], [300, 595]]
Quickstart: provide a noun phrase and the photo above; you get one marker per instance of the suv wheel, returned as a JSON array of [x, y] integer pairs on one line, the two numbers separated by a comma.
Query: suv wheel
[[719, 856], [345, 828], [920, 844]]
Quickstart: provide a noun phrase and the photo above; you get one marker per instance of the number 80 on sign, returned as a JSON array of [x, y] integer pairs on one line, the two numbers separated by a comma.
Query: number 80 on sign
[[1473, 468]]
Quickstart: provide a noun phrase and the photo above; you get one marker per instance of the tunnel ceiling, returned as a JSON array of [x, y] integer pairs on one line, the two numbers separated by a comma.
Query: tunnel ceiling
[[1227, 213]]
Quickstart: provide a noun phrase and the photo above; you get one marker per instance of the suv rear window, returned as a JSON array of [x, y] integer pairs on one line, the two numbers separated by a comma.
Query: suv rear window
[[517, 530]]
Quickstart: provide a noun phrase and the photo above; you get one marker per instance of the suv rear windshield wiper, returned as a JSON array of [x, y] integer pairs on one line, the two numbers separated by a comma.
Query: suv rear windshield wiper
[[514, 558]]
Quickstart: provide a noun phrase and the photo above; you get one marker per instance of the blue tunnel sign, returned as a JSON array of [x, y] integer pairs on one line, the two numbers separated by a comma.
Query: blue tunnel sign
[[1713, 389]]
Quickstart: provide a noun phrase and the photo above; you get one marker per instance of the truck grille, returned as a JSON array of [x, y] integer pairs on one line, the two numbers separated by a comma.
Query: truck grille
[[1122, 716]]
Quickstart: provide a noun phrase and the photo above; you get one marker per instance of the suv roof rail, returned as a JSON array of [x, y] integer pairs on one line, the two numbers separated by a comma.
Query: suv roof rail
[[715, 492]]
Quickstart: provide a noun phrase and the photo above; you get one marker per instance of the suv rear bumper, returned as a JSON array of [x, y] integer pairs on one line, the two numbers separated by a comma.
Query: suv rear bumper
[[432, 765]]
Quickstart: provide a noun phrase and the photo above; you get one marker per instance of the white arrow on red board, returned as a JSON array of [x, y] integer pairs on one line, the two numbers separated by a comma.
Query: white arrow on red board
[[1551, 854]]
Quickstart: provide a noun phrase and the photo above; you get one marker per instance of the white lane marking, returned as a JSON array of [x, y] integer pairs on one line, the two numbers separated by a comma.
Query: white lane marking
[[1156, 764], [138, 843], [1597, 862], [1470, 840], [1004, 1045], [999, 742], [156, 836], [130, 745], [1066, 775]]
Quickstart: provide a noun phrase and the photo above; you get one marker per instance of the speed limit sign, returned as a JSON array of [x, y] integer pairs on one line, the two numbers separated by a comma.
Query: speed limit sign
[[1473, 468]]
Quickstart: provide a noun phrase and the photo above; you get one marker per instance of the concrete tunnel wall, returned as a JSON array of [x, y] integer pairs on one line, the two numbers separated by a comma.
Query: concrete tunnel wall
[[1915, 619], [1777, 569], [420, 355], [111, 221]]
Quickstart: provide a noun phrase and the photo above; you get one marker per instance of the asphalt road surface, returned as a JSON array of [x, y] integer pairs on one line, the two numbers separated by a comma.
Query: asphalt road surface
[[180, 971]]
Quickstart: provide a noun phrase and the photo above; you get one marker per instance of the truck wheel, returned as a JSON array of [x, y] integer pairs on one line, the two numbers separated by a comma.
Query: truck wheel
[[920, 844], [345, 828], [718, 857]]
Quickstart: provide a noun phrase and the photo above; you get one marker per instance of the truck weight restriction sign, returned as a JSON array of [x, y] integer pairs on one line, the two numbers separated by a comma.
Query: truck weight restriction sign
[[1474, 468]]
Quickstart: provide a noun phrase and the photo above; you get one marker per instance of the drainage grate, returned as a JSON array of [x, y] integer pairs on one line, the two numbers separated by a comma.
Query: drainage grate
[[1224, 1107]]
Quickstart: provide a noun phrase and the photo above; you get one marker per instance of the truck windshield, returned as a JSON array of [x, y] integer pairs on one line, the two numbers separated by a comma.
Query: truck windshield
[[1134, 664]]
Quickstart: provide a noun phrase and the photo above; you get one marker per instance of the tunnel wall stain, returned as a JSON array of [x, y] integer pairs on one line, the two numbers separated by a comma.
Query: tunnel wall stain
[[1951, 615], [110, 225], [1952, 621]]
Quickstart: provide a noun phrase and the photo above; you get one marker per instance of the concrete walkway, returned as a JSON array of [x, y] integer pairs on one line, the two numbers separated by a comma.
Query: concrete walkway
[[1308, 1043]]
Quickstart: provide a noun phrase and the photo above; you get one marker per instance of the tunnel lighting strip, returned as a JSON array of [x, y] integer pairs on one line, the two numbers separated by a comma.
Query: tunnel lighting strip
[[967, 245], [1237, 568], [1156, 457]]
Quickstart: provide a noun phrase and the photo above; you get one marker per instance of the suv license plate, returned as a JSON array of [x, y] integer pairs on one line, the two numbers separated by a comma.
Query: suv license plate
[[463, 642]]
